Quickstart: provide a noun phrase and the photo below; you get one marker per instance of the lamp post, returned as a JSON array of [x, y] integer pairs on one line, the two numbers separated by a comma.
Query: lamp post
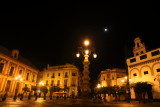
[[18, 79], [41, 83], [86, 51], [98, 87], [127, 80]]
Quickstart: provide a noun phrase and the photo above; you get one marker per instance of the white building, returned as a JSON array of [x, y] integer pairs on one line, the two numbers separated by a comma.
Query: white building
[[145, 67]]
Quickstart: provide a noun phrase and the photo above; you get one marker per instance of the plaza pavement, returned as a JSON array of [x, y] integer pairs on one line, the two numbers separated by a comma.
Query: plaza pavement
[[71, 103]]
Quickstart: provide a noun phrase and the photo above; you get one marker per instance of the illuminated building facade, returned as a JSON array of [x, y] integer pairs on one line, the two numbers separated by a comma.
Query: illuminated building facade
[[112, 77], [16, 72], [145, 67], [61, 76]]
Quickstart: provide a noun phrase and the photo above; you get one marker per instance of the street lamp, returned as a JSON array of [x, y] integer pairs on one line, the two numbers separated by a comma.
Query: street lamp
[[127, 80], [18, 79], [98, 90], [98, 85], [86, 51], [41, 83]]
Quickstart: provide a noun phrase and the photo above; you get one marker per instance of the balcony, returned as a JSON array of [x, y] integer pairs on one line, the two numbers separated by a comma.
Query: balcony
[[52, 76], [73, 84], [66, 76]]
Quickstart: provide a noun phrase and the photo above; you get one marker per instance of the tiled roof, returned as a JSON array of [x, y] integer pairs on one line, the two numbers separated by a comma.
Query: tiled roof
[[21, 59]]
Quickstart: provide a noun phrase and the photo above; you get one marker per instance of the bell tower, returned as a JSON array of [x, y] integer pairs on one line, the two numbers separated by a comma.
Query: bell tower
[[139, 47]]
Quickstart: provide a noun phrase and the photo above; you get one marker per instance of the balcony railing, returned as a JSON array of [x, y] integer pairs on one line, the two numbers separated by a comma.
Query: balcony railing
[[73, 84], [66, 76], [52, 76]]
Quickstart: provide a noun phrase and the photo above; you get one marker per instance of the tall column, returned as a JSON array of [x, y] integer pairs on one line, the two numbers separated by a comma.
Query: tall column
[[85, 79]]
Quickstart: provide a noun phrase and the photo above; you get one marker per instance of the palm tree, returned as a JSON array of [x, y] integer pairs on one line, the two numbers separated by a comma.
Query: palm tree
[[44, 90]]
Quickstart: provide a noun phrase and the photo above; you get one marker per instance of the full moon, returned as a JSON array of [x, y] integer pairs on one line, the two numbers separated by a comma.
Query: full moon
[[105, 29]]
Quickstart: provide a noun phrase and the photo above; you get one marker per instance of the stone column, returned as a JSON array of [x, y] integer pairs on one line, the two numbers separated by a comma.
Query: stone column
[[85, 78]]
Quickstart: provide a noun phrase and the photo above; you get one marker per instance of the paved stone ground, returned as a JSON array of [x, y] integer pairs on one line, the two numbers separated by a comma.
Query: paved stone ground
[[70, 103]]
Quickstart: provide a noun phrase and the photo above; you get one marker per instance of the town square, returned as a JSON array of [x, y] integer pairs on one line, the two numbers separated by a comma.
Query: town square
[[96, 54]]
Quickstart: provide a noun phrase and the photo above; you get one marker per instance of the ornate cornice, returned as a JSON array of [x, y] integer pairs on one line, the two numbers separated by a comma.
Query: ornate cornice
[[145, 62]]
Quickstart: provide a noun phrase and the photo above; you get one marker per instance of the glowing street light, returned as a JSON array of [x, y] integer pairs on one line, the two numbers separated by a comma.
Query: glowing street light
[[18, 78], [94, 55], [78, 55], [41, 83], [86, 42], [86, 51], [98, 85]]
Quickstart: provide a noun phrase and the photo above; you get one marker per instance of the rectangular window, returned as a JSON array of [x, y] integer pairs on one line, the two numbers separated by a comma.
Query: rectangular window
[[73, 74], [145, 72], [73, 82], [112, 77], [47, 75], [155, 53], [59, 74], [58, 83], [52, 76], [25, 85], [52, 82], [27, 76], [66, 75], [20, 72], [65, 83], [108, 75], [33, 78], [47, 83], [132, 60], [8, 85], [134, 74], [1, 67], [11, 71], [143, 57], [158, 70]]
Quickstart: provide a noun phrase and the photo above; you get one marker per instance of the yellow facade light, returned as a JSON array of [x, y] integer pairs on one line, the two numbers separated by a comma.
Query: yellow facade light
[[130, 79], [125, 77], [19, 76], [21, 79], [41, 83], [122, 80]]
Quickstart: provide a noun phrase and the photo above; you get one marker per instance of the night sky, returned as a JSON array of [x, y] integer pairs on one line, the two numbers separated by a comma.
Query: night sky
[[50, 33]]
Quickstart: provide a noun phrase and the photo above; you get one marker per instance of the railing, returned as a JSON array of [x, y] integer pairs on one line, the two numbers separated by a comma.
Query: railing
[[66, 76]]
